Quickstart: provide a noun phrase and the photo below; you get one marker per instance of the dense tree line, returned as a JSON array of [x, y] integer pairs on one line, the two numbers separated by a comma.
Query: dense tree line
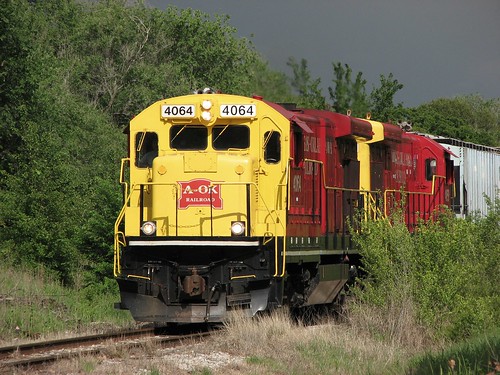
[[73, 73]]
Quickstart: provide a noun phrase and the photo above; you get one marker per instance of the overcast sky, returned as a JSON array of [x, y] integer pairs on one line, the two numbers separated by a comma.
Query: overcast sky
[[435, 48]]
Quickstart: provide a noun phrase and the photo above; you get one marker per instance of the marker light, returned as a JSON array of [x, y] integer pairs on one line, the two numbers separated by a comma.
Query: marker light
[[206, 104], [237, 228], [205, 115], [148, 228]]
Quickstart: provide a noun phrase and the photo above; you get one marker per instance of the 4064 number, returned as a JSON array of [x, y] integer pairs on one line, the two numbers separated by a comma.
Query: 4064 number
[[238, 110], [177, 111]]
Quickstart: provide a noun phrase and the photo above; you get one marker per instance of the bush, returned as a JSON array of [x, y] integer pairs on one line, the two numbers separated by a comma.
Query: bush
[[444, 273]]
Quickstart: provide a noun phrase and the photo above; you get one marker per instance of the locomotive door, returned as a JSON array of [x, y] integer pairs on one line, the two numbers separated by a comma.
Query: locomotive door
[[351, 169], [432, 185], [306, 184], [351, 184], [272, 193]]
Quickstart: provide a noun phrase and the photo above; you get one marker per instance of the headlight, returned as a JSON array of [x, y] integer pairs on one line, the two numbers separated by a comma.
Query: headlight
[[148, 228], [237, 228], [205, 115], [206, 104]]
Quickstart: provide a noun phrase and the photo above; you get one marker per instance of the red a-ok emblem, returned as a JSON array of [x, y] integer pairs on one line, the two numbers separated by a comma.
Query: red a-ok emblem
[[200, 192]]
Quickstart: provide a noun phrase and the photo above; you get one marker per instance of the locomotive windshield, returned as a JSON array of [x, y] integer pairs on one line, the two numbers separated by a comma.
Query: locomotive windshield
[[230, 136], [195, 137]]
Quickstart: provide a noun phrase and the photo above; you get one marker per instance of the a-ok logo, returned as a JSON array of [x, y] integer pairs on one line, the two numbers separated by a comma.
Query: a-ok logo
[[200, 192]]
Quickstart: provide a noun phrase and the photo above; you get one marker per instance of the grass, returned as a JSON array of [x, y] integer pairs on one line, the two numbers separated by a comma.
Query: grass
[[275, 344], [372, 340], [369, 342], [33, 305], [479, 355]]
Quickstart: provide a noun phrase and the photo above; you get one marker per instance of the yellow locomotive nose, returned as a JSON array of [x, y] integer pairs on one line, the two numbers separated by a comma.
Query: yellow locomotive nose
[[205, 216]]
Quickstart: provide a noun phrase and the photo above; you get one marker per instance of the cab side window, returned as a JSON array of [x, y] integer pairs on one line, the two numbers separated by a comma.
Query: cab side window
[[430, 168], [146, 149], [272, 147]]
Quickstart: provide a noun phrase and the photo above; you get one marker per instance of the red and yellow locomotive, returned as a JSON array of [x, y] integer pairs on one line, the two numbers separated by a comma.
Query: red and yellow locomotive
[[236, 202]]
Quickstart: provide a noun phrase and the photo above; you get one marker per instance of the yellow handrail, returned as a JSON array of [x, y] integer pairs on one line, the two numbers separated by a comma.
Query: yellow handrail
[[433, 191], [371, 206]]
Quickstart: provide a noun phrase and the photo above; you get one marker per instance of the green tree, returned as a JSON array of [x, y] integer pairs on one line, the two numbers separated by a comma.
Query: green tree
[[207, 50], [17, 80], [468, 118], [60, 88], [382, 99], [126, 57], [272, 85], [346, 94], [309, 92]]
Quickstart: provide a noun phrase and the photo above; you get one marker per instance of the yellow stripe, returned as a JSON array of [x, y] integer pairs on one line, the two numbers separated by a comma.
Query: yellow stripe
[[139, 277], [243, 277]]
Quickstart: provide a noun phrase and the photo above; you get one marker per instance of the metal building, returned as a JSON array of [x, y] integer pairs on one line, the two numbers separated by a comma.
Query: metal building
[[477, 173]]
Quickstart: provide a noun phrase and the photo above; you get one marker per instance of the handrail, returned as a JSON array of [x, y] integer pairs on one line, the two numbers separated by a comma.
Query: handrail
[[371, 205], [122, 175], [433, 188], [368, 192], [327, 187], [116, 247], [117, 233]]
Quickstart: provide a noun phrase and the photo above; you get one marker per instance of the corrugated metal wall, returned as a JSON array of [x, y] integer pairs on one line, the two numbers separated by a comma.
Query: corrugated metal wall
[[479, 173]]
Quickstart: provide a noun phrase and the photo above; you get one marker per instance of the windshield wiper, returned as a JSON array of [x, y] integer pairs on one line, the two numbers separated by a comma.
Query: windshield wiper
[[218, 136], [177, 134]]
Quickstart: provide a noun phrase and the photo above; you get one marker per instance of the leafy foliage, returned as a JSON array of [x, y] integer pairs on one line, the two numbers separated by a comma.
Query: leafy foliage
[[446, 269], [274, 86], [470, 118], [69, 71], [348, 95], [382, 98], [309, 92], [17, 82]]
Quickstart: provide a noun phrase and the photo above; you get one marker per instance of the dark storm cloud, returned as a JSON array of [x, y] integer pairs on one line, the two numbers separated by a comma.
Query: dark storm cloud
[[435, 48]]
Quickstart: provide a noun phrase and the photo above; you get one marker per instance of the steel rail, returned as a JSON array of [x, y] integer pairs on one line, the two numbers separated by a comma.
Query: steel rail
[[33, 355]]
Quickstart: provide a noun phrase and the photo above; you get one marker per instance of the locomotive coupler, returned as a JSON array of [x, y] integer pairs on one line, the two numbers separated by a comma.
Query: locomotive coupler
[[194, 284]]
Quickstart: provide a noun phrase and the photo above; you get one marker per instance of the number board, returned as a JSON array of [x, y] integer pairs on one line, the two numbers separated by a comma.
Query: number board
[[238, 110], [177, 111]]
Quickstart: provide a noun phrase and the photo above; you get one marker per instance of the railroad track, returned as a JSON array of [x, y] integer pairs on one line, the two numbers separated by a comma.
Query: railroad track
[[33, 355]]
